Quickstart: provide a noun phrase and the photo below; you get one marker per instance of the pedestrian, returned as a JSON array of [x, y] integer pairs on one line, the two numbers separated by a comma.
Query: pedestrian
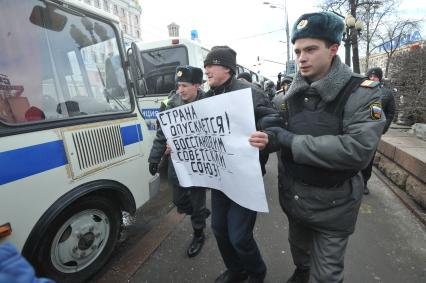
[[191, 201], [245, 77], [388, 106], [333, 127], [233, 224], [269, 88], [15, 268], [280, 104]]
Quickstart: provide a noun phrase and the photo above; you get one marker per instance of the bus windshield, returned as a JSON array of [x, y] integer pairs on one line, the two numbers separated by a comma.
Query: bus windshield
[[160, 67], [61, 68]]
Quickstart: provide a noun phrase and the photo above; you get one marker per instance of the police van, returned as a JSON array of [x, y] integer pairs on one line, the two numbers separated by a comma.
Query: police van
[[73, 142]]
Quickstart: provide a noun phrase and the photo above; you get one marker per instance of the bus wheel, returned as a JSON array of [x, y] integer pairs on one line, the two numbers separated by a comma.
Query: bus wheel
[[80, 240]]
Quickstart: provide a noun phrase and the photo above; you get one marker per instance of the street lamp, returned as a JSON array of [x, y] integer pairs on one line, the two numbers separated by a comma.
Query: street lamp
[[352, 25], [287, 32]]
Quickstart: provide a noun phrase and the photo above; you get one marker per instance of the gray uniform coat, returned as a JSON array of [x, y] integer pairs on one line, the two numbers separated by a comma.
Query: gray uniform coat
[[333, 210]]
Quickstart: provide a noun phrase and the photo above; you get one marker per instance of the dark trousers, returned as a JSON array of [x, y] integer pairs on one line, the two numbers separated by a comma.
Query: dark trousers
[[191, 201], [320, 252], [366, 172], [233, 226]]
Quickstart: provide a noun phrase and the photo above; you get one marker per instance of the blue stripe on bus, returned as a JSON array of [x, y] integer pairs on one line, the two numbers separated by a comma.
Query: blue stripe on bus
[[27, 161], [23, 162], [131, 134]]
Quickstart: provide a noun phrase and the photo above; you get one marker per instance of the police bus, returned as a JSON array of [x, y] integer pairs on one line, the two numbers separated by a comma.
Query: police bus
[[73, 143], [160, 59]]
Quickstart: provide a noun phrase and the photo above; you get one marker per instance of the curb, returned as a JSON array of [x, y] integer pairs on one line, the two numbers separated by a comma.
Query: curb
[[130, 262], [403, 197]]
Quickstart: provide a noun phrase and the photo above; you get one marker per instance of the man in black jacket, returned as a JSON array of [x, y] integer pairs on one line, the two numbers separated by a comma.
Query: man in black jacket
[[388, 106], [191, 201], [233, 224]]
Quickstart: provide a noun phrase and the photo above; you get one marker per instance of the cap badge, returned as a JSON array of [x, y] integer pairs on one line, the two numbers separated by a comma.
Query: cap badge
[[302, 24], [216, 61], [179, 74]]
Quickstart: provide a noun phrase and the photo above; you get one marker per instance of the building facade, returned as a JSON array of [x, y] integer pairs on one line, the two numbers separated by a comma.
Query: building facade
[[128, 11], [380, 58]]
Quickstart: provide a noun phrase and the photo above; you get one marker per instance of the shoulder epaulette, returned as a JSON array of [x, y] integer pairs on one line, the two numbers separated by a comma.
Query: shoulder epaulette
[[369, 84]]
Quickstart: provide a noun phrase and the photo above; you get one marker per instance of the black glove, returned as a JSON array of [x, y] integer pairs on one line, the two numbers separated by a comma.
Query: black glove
[[272, 120], [284, 137], [153, 168]]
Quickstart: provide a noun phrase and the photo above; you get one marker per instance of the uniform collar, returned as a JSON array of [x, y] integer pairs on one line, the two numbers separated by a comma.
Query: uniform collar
[[329, 86]]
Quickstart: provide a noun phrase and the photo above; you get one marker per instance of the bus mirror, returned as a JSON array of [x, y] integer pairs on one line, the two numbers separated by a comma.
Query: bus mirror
[[137, 70], [46, 17]]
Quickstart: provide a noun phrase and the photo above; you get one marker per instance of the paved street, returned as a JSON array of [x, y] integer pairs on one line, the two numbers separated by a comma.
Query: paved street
[[389, 244]]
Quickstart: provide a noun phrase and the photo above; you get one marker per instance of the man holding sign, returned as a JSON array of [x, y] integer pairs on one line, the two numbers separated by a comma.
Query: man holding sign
[[232, 223], [191, 201]]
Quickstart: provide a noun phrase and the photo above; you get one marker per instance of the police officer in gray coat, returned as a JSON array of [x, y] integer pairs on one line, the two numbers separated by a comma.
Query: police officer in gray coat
[[335, 122], [191, 201]]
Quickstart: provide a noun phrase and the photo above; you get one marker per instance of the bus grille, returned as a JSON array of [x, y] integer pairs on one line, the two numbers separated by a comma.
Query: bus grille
[[99, 145]]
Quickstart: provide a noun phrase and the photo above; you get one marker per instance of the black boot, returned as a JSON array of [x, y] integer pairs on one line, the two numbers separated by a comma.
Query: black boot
[[299, 276], [231, 277], [196, 244], [257, 278], [366, 190]]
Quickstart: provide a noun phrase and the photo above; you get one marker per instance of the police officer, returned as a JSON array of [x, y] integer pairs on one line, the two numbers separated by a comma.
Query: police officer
[[233, 224], [388, 106], [335, 122], [191, 201]]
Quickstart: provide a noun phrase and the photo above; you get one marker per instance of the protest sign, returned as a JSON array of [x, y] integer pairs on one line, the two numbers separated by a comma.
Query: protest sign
[[210, 148]]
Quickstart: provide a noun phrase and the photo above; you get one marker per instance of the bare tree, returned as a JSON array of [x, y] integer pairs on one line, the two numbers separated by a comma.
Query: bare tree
[[409, 78], [371, 12], [390, 37]]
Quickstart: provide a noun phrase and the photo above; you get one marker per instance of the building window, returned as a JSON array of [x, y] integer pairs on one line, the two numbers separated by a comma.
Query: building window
[[97, 3], [106, 5], [138, 34], [125, 28], [136, 19], [87, 1], [115, 10], [123, 13]]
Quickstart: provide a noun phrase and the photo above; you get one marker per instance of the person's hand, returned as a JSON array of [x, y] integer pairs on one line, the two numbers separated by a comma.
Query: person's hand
[[153, 168], [284, 137], [168, 149], [259, 140]]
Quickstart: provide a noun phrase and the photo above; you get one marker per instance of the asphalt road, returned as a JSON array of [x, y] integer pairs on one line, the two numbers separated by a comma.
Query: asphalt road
[[389, 245]]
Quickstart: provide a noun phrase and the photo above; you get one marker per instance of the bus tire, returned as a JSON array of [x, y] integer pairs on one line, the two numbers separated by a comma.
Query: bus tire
[[80, 240]]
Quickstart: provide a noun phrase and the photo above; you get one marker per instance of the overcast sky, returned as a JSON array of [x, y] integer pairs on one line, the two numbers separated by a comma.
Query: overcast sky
[[250, 27]]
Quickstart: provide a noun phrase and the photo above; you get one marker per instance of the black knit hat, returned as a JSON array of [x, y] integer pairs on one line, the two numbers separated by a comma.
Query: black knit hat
[[189, 74], [375, 71], [246, 76], [322, 25], [223, 56]]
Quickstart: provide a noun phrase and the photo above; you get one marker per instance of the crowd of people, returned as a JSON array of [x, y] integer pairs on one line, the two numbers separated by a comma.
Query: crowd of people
[[324, 123]]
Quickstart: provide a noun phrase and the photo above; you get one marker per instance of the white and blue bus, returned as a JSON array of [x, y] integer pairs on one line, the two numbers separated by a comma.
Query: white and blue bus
[[73, 143], [160, 59]]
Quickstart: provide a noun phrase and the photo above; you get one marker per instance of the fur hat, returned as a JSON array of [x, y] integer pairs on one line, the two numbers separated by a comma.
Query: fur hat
[[322, 25], [246, 76], [189, 74], [223, 56], [375, 71]]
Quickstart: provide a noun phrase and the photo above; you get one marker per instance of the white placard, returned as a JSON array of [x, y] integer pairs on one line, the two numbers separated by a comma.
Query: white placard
[[210, 148]]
